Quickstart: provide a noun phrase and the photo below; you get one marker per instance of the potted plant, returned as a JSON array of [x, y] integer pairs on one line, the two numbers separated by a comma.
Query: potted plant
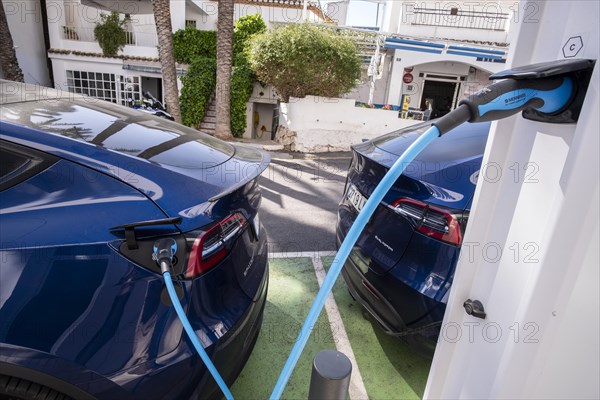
[[111, 34]]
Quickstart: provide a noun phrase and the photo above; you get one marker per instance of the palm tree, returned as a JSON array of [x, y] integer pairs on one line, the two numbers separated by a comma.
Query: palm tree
[[8, 57], [164, 31], [224, 66]]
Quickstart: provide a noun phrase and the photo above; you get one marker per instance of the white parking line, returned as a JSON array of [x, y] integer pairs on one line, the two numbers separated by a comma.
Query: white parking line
[[303, 254], [342, 343]]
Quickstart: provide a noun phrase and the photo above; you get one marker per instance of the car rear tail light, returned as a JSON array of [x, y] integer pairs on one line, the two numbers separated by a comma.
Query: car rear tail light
[[210, 247], [435, 222]]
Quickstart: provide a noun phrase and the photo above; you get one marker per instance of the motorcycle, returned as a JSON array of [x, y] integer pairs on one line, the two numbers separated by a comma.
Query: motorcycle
[[151, 105]]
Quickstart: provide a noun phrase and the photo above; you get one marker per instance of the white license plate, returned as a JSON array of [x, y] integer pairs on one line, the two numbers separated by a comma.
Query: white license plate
[[355, 198]]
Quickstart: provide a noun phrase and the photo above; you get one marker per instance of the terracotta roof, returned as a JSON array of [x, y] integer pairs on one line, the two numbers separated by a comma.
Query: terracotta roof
[[91, 54], [299, 4]]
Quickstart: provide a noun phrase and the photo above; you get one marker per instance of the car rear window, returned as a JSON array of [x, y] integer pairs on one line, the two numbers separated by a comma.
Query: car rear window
[[121, 129]]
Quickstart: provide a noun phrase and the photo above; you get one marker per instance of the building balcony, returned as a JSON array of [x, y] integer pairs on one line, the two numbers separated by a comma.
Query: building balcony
[[87, 35], [141, 42], [487, 24], [456, 18]]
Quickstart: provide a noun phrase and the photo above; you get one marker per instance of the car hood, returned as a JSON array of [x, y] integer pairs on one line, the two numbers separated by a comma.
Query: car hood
[[447, 169]]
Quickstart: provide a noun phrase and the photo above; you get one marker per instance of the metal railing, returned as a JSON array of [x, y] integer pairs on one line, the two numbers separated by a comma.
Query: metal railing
[[456, 18], [76, 33]]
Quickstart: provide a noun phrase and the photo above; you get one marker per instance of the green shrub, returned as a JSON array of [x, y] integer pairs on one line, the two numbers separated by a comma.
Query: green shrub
[[243, 76], [198, 85], [301, 59], [190, 43], [199, 48], [110, 34], [246, 27], [242, 80]]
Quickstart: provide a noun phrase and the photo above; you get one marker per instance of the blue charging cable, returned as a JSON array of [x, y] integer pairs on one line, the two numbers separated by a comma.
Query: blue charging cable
[[348, 244], [164, 250]]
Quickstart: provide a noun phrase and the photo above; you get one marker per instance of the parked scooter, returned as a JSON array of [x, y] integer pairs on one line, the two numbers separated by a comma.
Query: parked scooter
[[150, 105]]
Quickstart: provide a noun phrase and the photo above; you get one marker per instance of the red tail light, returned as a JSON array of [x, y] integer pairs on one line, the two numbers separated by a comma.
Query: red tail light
[[432, 221], [210, 247]]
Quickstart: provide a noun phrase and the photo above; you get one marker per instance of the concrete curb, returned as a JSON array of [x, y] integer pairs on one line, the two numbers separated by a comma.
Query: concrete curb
[[277, 153]]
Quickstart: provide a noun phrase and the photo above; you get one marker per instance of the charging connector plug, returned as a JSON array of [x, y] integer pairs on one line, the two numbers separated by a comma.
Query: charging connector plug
[[163, 252]]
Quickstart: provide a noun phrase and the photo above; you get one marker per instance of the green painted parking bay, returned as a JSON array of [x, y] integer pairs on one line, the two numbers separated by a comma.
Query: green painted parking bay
[[387, 367]]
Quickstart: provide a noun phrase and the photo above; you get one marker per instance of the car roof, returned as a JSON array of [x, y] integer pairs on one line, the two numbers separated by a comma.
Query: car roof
[[464, 142], [67, 117], [18, 92]]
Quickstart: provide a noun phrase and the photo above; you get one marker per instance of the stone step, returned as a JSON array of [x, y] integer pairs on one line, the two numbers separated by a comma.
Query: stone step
[[208, 125], [209, 121]]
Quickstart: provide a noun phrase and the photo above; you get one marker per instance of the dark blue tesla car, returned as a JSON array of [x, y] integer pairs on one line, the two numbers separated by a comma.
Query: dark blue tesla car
[[402, 266], [86, 187]]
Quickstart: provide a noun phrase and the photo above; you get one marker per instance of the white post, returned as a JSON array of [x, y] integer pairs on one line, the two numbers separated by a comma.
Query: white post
[[372, 71], [305, 10]]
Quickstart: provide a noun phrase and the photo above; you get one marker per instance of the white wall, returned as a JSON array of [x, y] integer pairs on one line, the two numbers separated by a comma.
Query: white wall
[[263, 94], [330, 124], [177, 9], [25, 24], [533, 238], [361, 91], [338, 11], [269, 14], [392, 14]]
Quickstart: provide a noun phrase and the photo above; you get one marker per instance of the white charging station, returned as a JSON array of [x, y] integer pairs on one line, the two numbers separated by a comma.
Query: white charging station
[[531, 251]]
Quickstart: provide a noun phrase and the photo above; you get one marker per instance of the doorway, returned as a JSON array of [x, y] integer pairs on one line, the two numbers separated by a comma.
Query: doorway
[[263, 126], [154, 86], [440, 95]]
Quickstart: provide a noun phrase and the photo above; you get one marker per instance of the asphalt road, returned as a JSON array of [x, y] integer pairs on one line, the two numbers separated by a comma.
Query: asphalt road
[[300, 198]]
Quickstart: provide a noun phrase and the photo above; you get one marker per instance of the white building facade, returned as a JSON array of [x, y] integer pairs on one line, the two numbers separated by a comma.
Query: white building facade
[[431, 54], [435, 53], [76, 57]]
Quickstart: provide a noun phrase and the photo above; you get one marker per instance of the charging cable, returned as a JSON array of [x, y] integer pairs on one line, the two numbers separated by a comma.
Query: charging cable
[[163, 252]]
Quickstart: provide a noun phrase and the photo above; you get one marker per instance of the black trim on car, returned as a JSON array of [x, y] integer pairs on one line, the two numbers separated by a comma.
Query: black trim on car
[[38, 161]]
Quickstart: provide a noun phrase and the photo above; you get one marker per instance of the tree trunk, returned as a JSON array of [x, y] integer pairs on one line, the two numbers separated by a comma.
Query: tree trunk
[[224, 65], [164, 31], [8, 57]]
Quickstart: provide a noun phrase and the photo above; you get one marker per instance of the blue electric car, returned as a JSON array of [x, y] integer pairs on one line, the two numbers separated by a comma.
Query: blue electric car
[[86, 187], [402, 266]]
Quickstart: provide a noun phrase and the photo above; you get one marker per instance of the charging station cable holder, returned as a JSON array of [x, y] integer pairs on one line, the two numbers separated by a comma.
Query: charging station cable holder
[[579, 70]]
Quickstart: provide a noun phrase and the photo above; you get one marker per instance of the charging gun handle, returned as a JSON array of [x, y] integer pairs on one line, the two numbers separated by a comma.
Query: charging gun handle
[[163, 252], [508, 97]]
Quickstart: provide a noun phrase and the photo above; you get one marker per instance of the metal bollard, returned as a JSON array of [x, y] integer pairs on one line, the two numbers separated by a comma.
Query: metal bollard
[[330, 377]]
